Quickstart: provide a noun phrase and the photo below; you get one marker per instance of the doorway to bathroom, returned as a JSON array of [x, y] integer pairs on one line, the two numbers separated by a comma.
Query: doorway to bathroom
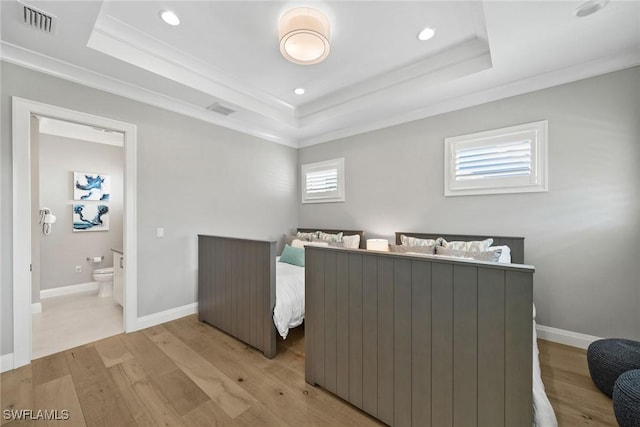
[[89, 216], [77, 198]]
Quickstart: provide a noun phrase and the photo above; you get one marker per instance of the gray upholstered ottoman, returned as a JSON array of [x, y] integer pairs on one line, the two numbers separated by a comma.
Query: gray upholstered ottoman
[[609, 358], [626, 399]]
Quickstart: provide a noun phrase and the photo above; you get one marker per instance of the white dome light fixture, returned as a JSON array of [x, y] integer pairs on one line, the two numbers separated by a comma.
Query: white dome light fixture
[[426, 34], [299, 91], [304, 36], [170, 18]]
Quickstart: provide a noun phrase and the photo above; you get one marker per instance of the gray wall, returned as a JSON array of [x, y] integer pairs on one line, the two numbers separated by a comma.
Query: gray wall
[[193, 177], [583, 235], [63, 249]]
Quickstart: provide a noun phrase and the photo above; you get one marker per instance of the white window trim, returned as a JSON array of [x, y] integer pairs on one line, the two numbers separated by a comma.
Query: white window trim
[[538, 181], [338, 196]]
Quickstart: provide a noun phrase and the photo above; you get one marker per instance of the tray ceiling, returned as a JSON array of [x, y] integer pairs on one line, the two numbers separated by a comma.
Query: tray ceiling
[[377, 74]]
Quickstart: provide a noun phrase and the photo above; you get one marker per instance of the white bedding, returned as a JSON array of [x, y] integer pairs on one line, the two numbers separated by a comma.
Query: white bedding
[[289, 310], [543, 415]]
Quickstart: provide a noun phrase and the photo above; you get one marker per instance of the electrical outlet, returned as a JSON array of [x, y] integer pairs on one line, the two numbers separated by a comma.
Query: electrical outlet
[[78, 269], [160, 232]]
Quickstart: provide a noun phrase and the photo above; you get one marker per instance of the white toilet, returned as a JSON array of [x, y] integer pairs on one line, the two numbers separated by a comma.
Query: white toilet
[[104, 277]]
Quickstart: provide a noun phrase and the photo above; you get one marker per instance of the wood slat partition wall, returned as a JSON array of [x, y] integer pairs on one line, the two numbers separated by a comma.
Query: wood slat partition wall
[[516, 244], [421, 341], [237, 289]]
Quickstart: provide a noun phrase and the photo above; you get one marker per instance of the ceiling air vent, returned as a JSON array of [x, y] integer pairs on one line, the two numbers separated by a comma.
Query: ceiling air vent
[[220, 109], [37, 19]]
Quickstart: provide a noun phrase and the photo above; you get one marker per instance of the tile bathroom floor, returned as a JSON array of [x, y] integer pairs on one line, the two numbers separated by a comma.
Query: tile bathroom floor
[[71, 320]]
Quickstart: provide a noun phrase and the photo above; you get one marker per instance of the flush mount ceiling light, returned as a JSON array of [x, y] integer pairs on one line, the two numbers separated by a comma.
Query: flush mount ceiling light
[[299, 91], [304, 36], [426, 34], [170, 18], [590, 7]]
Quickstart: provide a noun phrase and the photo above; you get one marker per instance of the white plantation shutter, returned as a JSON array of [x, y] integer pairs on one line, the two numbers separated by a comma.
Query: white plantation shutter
[[323, 181], [508, 160], [511, 159]]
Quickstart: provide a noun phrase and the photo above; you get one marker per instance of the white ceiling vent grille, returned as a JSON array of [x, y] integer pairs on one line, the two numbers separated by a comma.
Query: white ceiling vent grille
[[37, 19], [220, 109]]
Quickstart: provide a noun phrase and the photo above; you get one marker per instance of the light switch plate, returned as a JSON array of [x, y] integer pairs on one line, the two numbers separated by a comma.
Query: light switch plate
[[160, 232]]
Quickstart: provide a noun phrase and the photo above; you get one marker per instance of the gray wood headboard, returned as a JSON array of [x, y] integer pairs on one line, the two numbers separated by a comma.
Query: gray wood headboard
[[516, 244]]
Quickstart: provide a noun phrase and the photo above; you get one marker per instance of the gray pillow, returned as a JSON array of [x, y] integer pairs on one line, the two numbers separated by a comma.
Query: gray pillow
[[492, 256], [402, 249]]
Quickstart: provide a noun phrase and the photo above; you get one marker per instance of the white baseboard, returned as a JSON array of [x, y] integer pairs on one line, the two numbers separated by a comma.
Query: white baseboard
[[68, 290], [166, 316], [36, 307], [6, 362], [560, 336]]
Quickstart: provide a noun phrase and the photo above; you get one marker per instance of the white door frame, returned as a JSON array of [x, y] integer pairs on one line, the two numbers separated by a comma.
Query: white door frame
[[22, 111]]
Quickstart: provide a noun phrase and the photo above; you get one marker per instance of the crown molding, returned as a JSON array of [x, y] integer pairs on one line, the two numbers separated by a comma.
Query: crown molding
[[47, 65], [624, 59], [54, 67], [466, 57], [122, 41]]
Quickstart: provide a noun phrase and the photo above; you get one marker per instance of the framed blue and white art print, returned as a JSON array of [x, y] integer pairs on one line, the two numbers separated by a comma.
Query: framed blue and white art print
[[90, 218], [91, 186]]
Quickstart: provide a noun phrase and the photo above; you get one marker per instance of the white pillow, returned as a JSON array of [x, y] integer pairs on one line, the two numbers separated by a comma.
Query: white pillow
[[472, 246], [351, 242], [315, 243], [505, 256], [297, 243], [414, 241]]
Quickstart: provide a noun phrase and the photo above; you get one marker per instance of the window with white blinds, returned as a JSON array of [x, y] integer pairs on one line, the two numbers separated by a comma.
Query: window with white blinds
[[323, 182], [507, 160]]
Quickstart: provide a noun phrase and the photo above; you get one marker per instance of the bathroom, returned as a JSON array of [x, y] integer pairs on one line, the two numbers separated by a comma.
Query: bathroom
[[77, 233]]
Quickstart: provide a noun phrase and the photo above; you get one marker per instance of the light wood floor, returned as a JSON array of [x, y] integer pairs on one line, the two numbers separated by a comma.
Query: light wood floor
[[185, 373], [575, 399], [56, 328]]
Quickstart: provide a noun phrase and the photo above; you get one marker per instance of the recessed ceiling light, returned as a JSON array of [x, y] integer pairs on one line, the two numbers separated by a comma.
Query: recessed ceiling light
[[170, 18], [590, 7], [426, 34], [298, 91]]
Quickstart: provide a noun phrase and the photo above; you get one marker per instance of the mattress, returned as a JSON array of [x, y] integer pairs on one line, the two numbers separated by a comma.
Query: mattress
[[289, 310]]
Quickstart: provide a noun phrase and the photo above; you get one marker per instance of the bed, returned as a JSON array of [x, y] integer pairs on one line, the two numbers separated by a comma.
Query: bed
[[420, 340], [543, 413], [238, 292]]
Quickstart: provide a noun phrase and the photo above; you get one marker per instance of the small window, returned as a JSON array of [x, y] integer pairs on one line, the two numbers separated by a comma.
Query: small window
[[507, 160], [323, 182]]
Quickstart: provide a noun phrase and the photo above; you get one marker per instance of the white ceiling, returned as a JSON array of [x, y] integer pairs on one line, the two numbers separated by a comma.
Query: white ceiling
[[377, 74]]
